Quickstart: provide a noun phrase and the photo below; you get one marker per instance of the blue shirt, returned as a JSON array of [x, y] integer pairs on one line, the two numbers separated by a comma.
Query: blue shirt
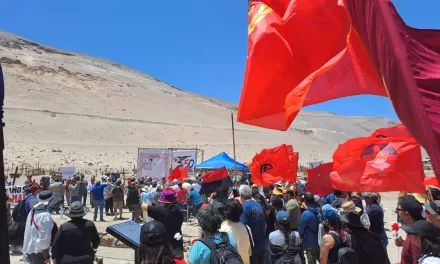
[[98, 192], [27, 206], [329, 199], [375, 213], [308, 227], [146, 198], [201, 254], [195, 197], [254, 216]]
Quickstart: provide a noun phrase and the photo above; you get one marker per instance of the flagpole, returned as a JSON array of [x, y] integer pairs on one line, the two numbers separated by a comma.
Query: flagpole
[[233, 142]]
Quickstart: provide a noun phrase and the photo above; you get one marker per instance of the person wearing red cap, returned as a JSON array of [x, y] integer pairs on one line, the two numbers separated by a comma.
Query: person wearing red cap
[[34, 191]]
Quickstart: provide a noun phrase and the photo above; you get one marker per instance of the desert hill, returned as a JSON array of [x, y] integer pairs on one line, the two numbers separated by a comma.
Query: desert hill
[[69, 109]]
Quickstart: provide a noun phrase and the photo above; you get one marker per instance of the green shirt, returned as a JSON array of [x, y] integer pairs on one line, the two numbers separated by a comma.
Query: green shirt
[[294, 211]]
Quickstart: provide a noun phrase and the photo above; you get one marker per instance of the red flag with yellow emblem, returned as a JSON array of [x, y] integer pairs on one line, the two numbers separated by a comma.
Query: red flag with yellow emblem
[[303, 52], [273, 165], [374, 164]]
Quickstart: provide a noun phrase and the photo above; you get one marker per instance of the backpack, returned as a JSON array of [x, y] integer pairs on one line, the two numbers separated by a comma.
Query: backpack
[[347, 255], [223, 252], [19, 212], [290, 257]]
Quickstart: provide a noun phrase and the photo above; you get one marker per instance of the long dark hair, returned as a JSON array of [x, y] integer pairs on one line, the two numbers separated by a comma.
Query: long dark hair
[[430, 248], [284, 228], [156, 255]]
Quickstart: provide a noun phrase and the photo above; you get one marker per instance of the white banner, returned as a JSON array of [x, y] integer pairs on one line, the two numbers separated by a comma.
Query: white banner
[[68, 172], [154, 163], [185, 158], [18, 192]]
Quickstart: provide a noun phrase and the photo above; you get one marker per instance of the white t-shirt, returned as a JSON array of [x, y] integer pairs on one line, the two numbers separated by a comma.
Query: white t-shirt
[[429, 260], [241, 237]]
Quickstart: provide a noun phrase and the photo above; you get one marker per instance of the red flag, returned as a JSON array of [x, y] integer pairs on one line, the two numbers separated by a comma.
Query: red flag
[[318, 179], [183, 173], [395, 131], [215, 181], [373, 164], [175, 174], [276, 164], [431, 181], [368, 50]]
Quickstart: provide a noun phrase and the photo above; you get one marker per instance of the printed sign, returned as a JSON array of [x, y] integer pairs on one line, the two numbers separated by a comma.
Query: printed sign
[[184, 159], [68, 172], [18, 192], [154, 163]]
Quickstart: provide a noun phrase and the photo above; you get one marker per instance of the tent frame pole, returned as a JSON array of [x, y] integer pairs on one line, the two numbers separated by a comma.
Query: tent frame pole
[[233, 143]]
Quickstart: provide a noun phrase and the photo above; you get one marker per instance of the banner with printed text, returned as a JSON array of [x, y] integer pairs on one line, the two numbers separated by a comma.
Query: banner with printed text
[[154, 163], [185, 158], [18, 192]]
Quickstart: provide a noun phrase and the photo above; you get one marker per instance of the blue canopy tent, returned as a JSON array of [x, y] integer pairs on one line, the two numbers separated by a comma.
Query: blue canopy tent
[[221, 160]]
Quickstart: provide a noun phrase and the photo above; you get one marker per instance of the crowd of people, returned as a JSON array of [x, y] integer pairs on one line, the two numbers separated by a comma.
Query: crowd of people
[[282, 223]]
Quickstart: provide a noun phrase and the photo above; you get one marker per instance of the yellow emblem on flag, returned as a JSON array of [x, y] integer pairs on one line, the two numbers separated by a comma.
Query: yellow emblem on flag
[[258, 16]]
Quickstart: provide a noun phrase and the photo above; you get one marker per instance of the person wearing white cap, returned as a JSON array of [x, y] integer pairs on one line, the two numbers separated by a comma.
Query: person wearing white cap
[[39, 228]]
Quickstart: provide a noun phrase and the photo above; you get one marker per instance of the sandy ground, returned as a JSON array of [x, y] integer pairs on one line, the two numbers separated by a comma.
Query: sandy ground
[[114, 255]]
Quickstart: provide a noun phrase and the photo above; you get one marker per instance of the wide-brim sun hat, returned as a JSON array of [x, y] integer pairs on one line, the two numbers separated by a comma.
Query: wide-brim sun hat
[[76, 210], [351, 218], [348, 206], [145, 189], [45, 199]]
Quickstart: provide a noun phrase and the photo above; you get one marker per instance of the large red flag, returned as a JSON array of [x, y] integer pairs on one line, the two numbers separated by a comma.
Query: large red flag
[[183, 173], [318, 179], [175, 174], [394, 131], [368, 50], [374, 164], [275, 164]]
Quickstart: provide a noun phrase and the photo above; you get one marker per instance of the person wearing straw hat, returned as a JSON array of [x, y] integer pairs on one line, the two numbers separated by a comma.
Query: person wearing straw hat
[[350, 206], [39, 228], [171, 216], [77, 239]]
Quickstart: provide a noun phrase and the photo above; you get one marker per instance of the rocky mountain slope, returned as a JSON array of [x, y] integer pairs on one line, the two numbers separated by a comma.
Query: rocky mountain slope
[[69, 109]]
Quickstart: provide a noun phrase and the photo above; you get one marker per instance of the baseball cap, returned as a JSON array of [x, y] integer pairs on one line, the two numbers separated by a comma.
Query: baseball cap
[[412, 206], [433, 208], [283, 217], [153, 234], [422, 228], [371, 195]]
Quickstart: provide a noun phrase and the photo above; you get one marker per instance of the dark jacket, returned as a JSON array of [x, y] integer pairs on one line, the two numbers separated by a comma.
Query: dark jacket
[[76, 241], [133, 196]]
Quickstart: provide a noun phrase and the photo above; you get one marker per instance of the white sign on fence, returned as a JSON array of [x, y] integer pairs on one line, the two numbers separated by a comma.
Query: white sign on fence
[[185, 158], [154, 163], [68, 172]]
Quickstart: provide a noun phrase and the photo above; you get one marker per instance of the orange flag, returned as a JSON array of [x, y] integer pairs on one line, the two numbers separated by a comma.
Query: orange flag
[[431, 181], [175, 174], [395, 131], [374, 164], [318, 179], [276, 164]]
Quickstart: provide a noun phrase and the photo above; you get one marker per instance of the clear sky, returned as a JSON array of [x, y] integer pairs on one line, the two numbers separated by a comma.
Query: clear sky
[[195, 45]]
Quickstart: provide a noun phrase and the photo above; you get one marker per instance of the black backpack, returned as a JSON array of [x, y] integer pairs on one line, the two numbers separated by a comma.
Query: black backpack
[[347, 255], [223, 252], [19, 212]]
